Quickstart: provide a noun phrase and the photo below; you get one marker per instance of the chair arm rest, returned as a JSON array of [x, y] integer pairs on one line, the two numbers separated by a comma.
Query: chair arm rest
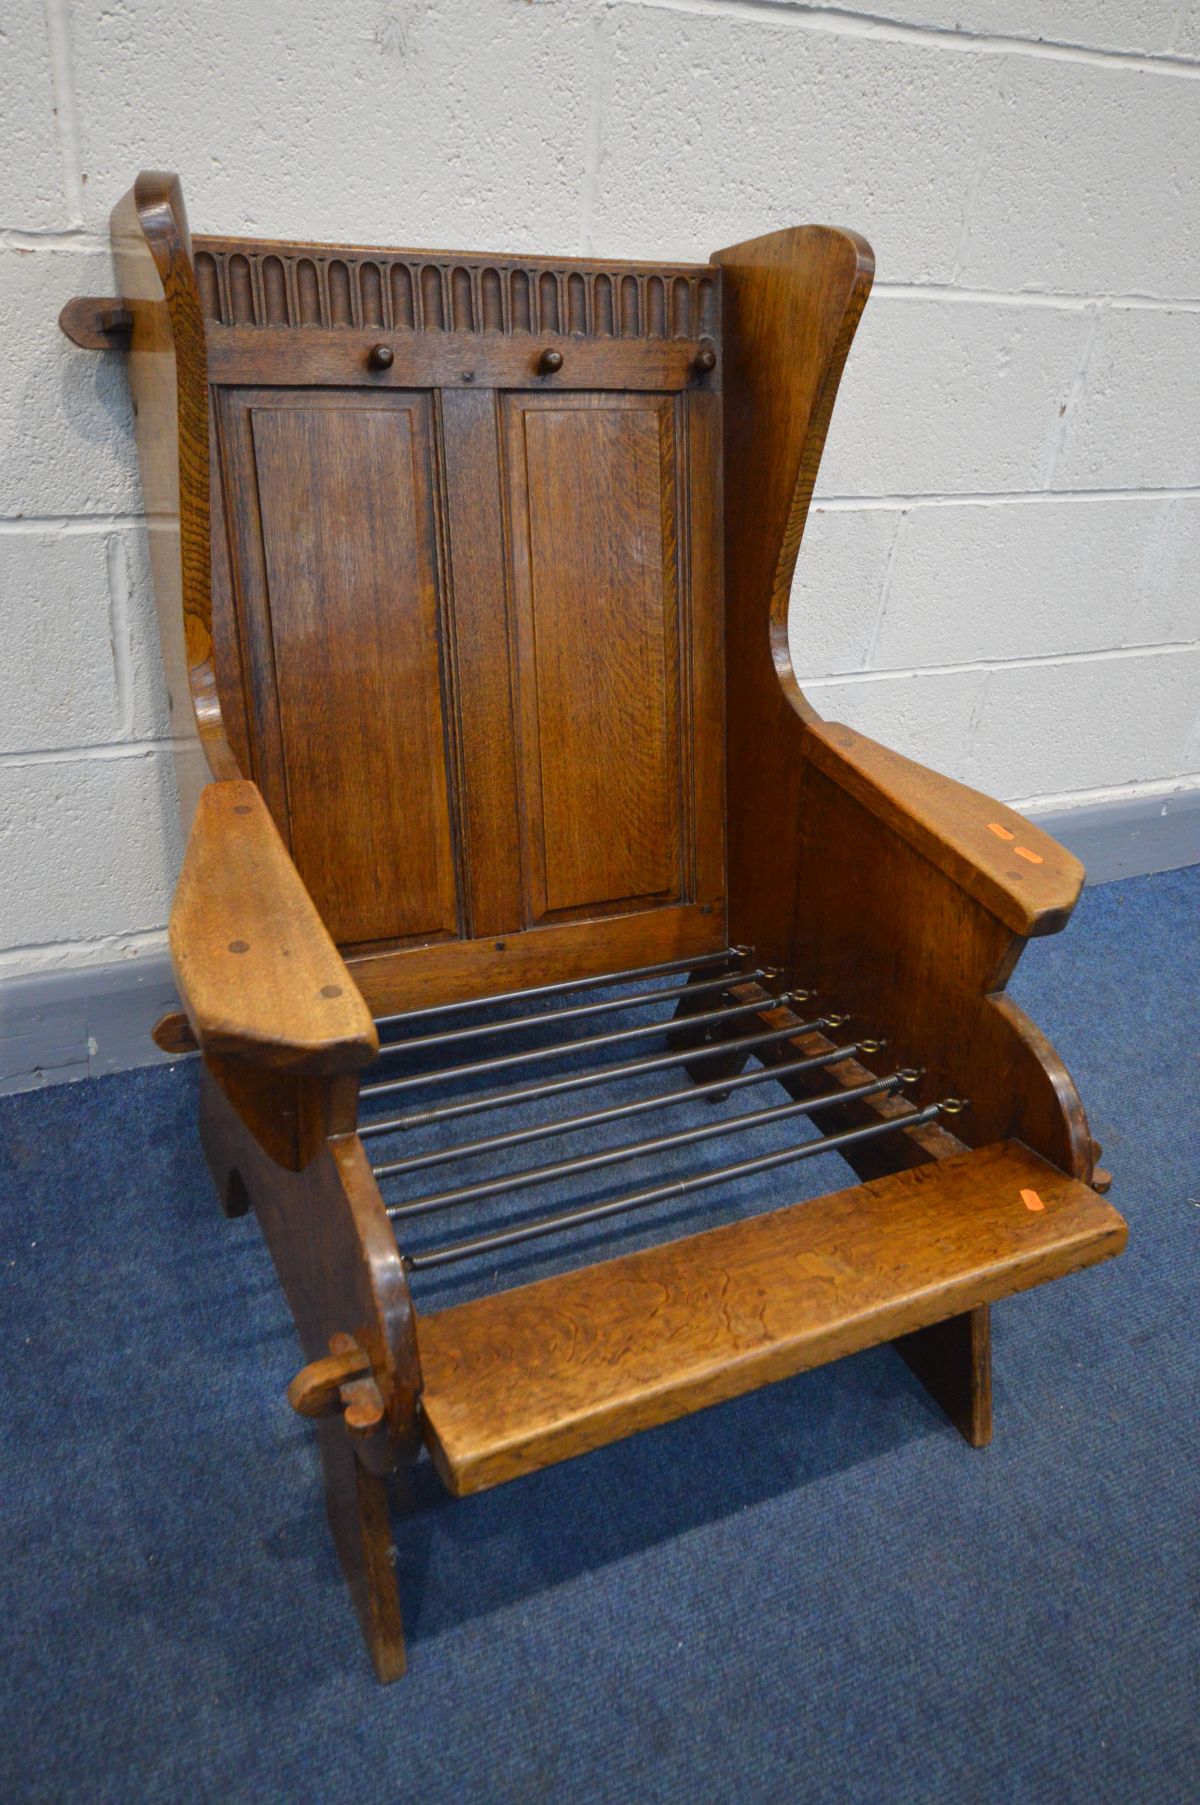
[[260, 979], [1021, 875]]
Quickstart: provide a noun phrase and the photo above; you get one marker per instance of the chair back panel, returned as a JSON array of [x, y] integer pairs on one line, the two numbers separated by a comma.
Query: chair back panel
[[337, 574], [470, 593], [595, 554]]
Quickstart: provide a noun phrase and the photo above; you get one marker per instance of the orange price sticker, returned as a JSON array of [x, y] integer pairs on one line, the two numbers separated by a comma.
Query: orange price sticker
[[1032, 1201], [1001, 833], [1034, 858]]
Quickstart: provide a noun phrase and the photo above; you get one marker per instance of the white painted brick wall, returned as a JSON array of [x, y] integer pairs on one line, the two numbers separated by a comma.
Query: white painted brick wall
[[31, 169], [1000, 573], [1110, 24], [77, 618], [1139, 423], [1078, 577], [1067, 147], [1112, 720], [66, 427], [88, 848], [460, 121], [943, 396], [1187, 37], [719, 124]]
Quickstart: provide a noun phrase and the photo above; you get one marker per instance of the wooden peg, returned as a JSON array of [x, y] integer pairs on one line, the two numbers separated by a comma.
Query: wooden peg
[[173, 1034], [364, 1413], [550, 362], [96, 323], [316, 1390], [380, 357], [363, 1406], [704, 360]]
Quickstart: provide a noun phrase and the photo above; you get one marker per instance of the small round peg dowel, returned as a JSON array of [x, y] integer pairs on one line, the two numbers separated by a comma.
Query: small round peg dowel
[[362, 1407], [550, 362], [380, 357], [704, 360]]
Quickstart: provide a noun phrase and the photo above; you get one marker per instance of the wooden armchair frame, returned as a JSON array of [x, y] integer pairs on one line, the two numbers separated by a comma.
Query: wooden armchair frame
[[473, 577]]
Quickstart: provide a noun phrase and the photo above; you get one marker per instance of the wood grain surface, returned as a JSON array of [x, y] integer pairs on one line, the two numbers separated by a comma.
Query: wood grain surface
[[1020, 874], [168, 382], [518, 1380], [259, 976], [596, 580], [335, 555], [339, 1268], [310, 358]]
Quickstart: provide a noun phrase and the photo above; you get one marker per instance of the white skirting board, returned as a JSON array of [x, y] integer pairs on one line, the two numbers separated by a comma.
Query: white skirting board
[[61, 1025]]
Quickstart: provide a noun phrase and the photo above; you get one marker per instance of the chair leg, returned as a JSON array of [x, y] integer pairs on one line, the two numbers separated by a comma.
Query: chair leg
[[953, 1360], [681, 1037], [359, 1515]]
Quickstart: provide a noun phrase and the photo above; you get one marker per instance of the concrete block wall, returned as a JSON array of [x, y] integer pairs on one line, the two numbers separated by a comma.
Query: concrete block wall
[[1000, 572]]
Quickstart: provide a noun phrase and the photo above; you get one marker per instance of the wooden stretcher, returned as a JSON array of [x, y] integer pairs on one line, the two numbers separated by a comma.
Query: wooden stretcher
[[473, 575]]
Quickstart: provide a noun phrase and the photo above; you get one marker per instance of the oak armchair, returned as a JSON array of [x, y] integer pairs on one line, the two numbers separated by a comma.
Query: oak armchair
[[473, 576]]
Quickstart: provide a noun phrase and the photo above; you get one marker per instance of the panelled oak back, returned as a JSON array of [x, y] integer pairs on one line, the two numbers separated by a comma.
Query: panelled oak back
[[452, 540], [467, 593]]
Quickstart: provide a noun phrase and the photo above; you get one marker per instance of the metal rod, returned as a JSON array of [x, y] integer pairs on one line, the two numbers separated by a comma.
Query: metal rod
[[560, 989], [679, 1187], [576, 1081], [615, 1037], [615, 1112], [614, 1156], [641, 999]]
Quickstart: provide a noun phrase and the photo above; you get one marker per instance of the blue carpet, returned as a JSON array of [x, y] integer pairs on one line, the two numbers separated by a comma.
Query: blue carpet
[[817, 1593]]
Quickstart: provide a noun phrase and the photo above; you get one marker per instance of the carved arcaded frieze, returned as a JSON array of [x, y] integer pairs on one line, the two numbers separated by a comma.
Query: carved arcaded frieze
[[247, 283]]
